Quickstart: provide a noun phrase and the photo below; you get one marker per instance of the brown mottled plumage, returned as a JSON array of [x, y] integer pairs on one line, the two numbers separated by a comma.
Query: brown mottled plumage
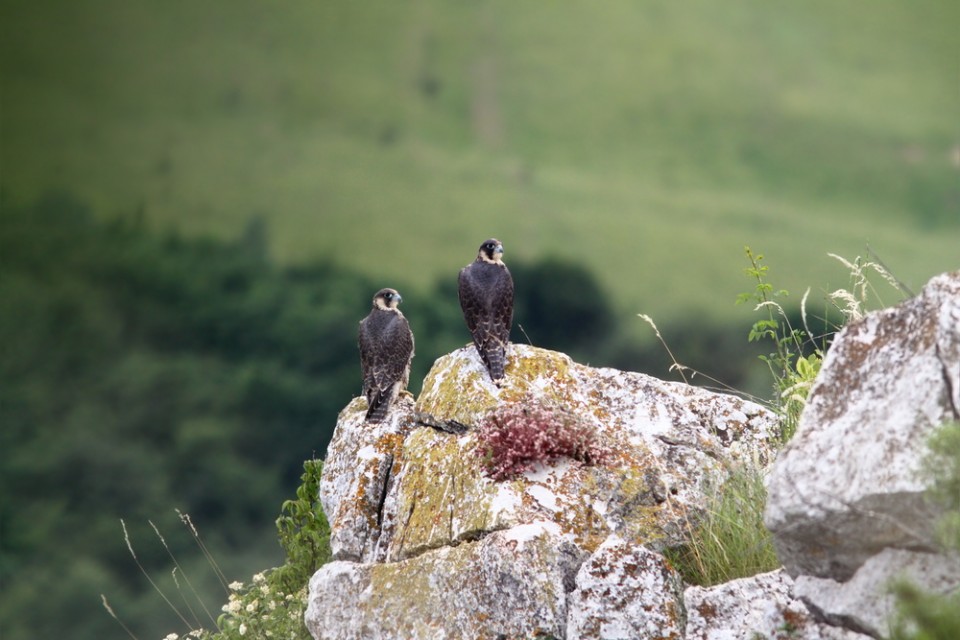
[[386, 349], [486, 297]]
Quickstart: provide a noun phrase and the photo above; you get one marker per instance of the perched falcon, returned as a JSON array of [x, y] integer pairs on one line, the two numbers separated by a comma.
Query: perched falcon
[[386, 349], [486, 297]]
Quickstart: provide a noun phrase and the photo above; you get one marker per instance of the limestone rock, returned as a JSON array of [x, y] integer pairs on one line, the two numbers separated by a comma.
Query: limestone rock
[[626, 591], [864, 602], [512, 584], [848, 485], [761, 606], [669, 441], [428, 546], [356, 473]]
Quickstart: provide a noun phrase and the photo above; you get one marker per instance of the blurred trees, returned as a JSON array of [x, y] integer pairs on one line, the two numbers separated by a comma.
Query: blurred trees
[[143, 372]]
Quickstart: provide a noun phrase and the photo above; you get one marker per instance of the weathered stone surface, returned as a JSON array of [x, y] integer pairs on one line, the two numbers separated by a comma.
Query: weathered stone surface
[[432, 542], [512, 583], [356, 473], [864, 602], [761, 606], [626, 591], [848, 485], [668, 440]]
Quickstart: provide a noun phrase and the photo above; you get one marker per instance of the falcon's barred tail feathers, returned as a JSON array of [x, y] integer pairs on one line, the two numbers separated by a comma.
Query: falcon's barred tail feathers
[[386, 349], [486, 297], [494, 356]]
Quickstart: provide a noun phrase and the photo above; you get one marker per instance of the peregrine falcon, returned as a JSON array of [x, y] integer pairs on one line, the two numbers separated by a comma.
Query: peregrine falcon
[[386, 349], [486, 297]]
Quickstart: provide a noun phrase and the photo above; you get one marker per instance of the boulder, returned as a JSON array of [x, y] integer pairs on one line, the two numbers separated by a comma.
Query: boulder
[[849, 484], [865, 601], [761, 606], [510, 584], [625, 590]]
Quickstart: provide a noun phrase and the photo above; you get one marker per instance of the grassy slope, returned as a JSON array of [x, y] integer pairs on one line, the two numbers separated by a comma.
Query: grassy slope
[[650, 141]]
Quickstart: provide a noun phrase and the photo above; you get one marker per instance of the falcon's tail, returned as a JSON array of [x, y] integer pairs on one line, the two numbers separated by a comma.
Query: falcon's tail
[[378, 405], [495, 357]]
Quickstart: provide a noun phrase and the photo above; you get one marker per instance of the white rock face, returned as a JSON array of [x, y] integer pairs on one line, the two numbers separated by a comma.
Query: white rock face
[[849, 485], [625, 591], [511, 584], [761, 606], [357, 470], [865, 602]]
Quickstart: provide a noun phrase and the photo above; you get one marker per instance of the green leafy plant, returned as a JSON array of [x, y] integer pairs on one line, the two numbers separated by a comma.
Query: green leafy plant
[[792, 369], [273, 604]]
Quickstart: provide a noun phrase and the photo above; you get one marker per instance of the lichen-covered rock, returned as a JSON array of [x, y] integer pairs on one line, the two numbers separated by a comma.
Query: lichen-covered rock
[[429, 546], [849, 484], [762, 606], [510, 584], [668, 440], [865, 601], [626, 591], [356, 473]]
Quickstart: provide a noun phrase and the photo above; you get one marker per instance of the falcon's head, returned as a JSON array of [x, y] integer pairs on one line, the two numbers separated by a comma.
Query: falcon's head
[[387, 299], [491, 251]]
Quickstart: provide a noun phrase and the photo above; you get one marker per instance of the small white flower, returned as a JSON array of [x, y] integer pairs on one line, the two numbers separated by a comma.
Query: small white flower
[[232, 607], [171, 636], [236, 586], [243, 629], [259, 578]]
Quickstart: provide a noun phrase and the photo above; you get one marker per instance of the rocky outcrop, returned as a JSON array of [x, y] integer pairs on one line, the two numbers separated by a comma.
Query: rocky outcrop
[[846, 497], [428, 546]]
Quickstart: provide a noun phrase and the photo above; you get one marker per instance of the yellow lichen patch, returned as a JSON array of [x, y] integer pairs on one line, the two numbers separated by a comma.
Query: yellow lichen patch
[[454, 389], [442, 495], [527, 366]]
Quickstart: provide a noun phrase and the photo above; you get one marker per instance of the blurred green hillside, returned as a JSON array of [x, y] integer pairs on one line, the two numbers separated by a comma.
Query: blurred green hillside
[[197, 200], [650, 141]]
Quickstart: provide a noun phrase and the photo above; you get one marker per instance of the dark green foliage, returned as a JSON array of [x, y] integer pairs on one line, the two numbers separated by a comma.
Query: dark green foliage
[[925, 616], [560, 306], [303, 530], [144, 373]]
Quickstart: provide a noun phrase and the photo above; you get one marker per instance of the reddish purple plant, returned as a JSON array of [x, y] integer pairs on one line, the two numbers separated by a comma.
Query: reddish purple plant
[[516, 436]]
